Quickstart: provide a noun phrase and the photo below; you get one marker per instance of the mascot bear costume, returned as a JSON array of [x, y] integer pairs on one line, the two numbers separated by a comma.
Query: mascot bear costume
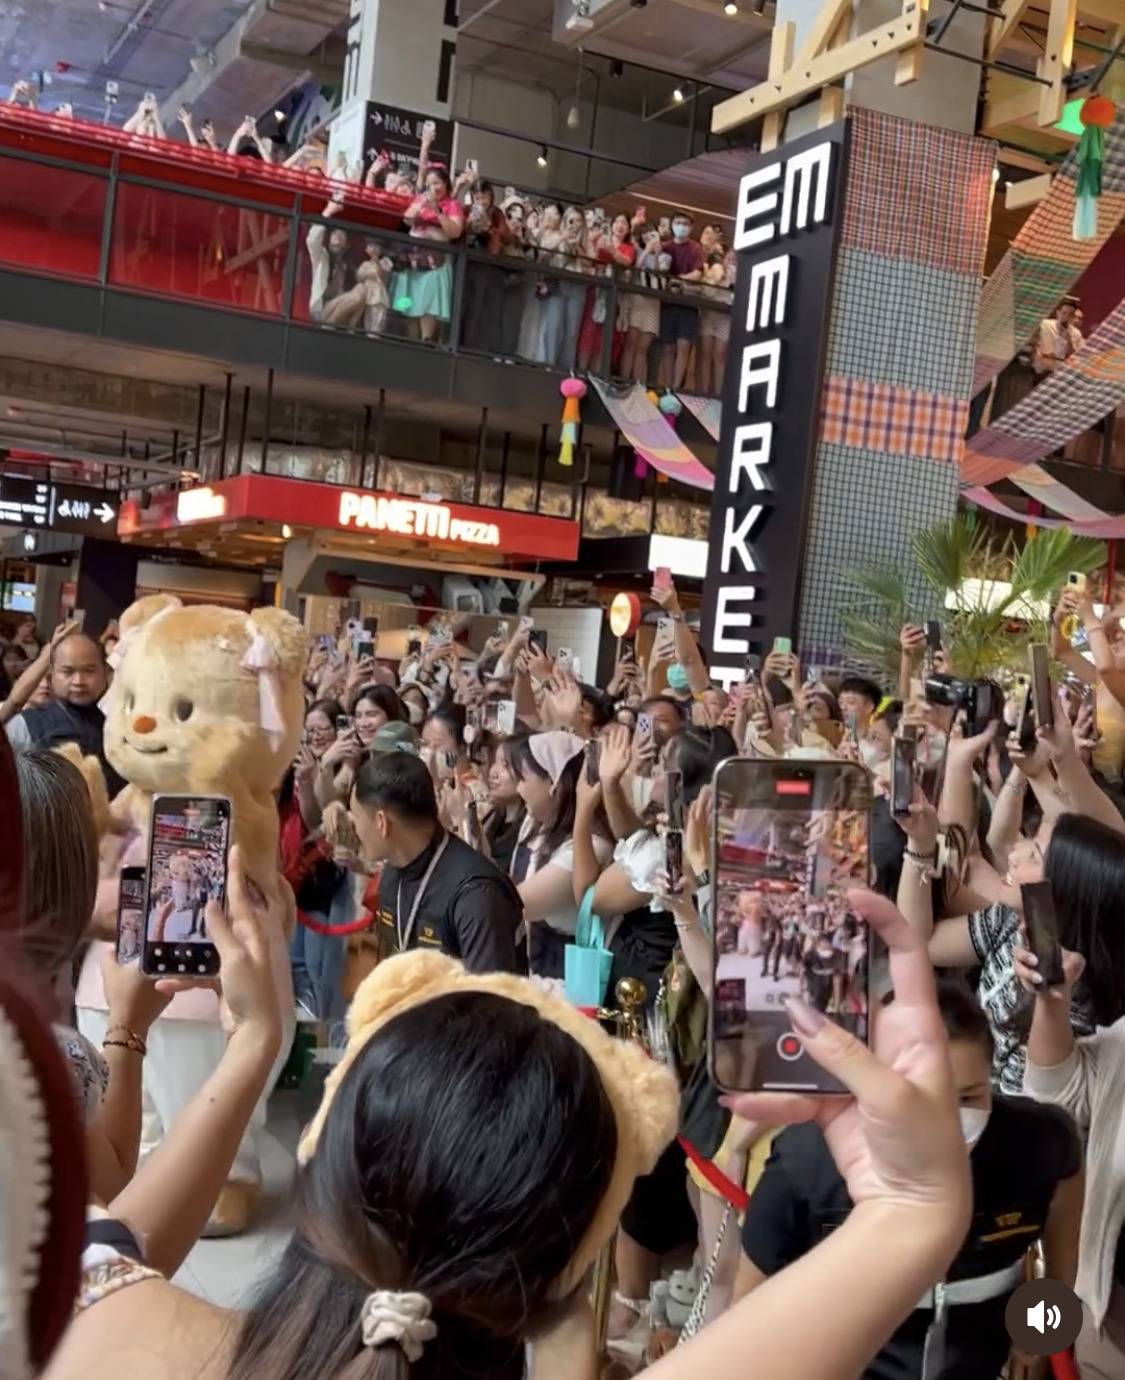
[[205, 701]]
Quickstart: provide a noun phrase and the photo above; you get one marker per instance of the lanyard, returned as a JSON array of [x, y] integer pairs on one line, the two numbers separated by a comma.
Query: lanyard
[[404, 935]]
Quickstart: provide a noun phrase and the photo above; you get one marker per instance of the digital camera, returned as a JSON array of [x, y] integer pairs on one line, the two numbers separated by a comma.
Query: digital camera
[[976, 697]]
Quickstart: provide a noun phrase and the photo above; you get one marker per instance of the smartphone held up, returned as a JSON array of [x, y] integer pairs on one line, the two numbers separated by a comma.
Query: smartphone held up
[[790, 839], [189, 842]]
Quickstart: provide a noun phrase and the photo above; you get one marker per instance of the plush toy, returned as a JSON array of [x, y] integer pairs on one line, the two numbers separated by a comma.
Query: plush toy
[[683, 1285], [204, 701]]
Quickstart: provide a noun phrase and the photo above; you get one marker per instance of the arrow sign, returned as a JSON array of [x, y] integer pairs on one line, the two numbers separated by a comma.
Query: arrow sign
[[105, 512]]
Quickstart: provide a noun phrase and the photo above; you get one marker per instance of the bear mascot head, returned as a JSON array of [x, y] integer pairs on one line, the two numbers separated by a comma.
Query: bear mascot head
[[207, 701]]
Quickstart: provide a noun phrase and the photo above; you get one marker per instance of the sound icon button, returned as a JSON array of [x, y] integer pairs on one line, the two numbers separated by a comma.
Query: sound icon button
[[1043, 1316]]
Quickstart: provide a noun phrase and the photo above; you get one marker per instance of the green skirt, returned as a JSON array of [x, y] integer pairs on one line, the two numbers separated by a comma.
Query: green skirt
[[429, 292]]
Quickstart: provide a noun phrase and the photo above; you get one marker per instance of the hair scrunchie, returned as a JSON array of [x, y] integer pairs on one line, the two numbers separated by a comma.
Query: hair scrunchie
[[388, 1316]]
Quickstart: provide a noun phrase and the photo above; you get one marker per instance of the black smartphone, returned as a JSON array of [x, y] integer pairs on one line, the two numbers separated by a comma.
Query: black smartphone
[[189, 839], [933, 636], [593, 759], [790, 839], [628, 649], [364, 646], [1042, 931], [1026, 728], [371, 628], [537, 637], [130, 914], [413, 646], [343, 723], [472, 824], [1041, 685], [674, 832], [903, 753], [674, 798]]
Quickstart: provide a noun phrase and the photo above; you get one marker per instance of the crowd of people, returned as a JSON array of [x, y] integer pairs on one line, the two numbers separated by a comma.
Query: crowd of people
[[458, 826], [510, 311], [671, 280]]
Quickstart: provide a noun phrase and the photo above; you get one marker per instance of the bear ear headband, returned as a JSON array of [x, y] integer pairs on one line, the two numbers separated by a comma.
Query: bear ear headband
[[641, 1091]]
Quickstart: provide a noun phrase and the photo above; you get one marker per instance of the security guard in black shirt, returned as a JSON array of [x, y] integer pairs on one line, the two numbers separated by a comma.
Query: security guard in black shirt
[[435, 892], [1027, 1186]]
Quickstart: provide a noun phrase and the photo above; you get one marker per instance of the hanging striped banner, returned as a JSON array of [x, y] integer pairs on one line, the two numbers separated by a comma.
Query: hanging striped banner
[[649, 433], [1088, 386], [1107, 527], [1045, 260], [708, 412]]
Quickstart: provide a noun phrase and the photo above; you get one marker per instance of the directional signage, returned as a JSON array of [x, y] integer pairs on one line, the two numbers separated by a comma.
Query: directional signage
[[57, 507], [398, 132]]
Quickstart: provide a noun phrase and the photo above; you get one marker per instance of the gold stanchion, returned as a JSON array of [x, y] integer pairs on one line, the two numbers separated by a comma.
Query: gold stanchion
[[630, 993]]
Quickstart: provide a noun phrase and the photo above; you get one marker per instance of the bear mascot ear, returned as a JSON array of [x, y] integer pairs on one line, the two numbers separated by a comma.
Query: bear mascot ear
[[135, 617], [286, 635], [279, 649]]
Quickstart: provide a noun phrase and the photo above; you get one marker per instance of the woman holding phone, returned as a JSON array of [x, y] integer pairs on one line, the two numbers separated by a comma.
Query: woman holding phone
[[1086, 1077], [896, 1138]]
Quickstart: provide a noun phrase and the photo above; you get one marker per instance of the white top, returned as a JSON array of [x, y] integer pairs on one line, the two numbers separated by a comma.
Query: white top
[[1057, 341], [1090, 1085], [565, 921], [641, 857]]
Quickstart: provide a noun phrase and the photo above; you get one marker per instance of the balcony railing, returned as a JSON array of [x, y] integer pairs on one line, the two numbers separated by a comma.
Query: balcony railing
[[95, 205]]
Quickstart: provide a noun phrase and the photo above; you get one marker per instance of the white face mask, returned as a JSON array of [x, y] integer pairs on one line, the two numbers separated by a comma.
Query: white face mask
[[871, 754], [973, 1122]]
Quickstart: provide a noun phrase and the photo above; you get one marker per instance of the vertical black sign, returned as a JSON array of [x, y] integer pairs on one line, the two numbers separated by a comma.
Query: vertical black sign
[[790, 204]]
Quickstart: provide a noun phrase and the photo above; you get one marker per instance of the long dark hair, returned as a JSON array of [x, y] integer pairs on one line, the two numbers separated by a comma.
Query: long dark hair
[[564, 795], [1085, 865], [479, 1208], [698, 752], [384, 698]]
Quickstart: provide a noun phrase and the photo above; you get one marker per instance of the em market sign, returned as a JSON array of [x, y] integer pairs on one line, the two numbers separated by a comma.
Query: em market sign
[[786, 230]]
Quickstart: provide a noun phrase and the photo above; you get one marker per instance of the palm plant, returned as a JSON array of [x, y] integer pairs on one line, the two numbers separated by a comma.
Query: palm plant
[[990, 627]]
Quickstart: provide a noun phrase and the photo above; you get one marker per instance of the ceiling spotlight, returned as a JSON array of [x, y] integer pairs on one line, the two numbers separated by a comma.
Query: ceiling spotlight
[[678, 95], [758, 7], [730, 9], [573, 118], [286, 531], [542, 159], [280, 115]]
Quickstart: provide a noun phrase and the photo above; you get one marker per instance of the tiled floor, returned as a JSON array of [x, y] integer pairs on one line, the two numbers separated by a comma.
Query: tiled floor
[[228, 1271]]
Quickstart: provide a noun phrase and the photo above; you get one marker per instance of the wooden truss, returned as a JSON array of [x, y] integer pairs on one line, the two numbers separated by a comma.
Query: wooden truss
[[829, 54], [826, 56]]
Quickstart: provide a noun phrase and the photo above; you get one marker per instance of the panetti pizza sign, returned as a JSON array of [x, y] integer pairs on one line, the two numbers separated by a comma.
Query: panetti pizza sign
[[789, 207]]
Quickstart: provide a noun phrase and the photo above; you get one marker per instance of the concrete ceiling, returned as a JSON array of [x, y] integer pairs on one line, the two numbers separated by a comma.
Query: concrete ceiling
[[143, 47], [247, 53], [688, 38]]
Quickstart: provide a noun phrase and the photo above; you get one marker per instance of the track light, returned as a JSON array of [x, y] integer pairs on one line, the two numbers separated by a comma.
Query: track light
[[542, 159], [677, 95], [730, 9]]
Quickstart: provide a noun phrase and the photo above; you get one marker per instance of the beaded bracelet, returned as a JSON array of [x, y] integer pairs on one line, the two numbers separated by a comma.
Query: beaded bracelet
[[137, 1046]]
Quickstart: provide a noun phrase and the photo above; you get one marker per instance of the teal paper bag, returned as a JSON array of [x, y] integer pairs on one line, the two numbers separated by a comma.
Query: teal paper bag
[[587, 961]]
